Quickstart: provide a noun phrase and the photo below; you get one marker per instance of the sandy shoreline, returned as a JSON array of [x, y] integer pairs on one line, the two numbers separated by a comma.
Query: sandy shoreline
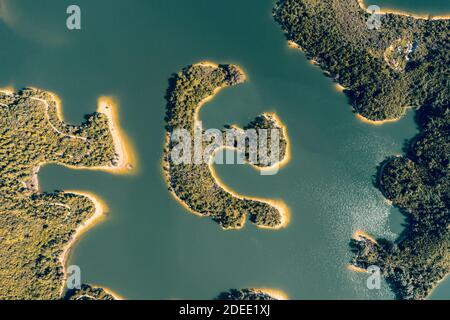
[[354, 268], [383, 11], [100, 209], [339, 87], [206, 63], [278, 204], [109, 291], [375, 122], [293, 45], [287, 156], [126, 159], [275, 293], [359, 234], [7, 90], [437, 284], [125, 164], [126, 156]]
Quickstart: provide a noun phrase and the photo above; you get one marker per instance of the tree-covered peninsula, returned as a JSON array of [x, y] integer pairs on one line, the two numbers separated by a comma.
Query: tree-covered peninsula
[[384, 71], [194, 182], [419, 184], [245, 294], [37, 229], [402, 64]]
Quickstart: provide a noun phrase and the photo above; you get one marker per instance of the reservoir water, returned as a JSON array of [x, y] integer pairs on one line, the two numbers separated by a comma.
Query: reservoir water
[[150, 247]]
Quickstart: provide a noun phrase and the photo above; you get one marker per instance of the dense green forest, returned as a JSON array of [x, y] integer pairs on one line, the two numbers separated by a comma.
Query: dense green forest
[[193, 183], [419, 184], [379, 84], [402, 64], [34, 226]]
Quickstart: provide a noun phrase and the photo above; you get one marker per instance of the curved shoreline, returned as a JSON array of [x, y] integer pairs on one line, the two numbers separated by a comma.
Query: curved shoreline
[[354, 268], [339, 87], [99, 212], [126, 162], [287, 156], [293, 45], [358, 236], [376, 122], [278, 204], [123, 147], [361, 234], [362, 5], [115, 295], [8, 90], [126, 157]]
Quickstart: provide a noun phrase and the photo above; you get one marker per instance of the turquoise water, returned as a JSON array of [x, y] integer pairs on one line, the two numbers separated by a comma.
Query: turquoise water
[[149, 246]]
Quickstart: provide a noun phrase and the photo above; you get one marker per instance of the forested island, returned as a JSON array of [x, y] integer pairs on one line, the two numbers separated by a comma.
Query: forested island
[[194, 183], [37, 229], [385, 71]]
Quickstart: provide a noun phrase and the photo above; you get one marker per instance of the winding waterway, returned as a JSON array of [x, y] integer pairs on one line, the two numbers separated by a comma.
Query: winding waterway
[[150, 246]]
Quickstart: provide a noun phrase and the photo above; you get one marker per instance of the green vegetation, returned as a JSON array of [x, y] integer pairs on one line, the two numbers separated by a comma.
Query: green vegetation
[[193, 183], [35, 227], [244, 294], [86, 292], [404, 63], [268, 121], [334, 33], [419, 184]]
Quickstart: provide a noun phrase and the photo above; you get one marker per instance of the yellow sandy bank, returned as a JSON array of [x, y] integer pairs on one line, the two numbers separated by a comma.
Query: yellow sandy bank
[[127, 160], [358, 237], [278, 204], [363, 6], [206, 63], [7, 90], [123, 146], [293, 45], [339, 87], [375, 122], [109, 291], [275, 293], [356, 269], [100, 209]]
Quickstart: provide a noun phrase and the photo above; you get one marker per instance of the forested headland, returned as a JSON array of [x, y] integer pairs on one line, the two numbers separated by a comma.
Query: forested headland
[[36, 228], [385, 71], [194, 184]]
